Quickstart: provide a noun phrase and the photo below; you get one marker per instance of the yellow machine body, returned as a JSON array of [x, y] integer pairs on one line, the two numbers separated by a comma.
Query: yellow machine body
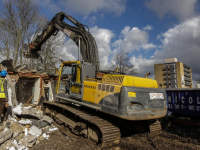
[[121, 95]]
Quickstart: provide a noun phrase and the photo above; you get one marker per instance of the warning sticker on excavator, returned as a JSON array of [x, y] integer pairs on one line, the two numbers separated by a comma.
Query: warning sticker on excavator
[[131, 94]]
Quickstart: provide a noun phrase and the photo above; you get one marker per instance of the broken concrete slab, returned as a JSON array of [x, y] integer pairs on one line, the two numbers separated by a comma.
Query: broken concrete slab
[[5, 135], [39, 123], [42, 124], [47, 119], [18, 146], [53, 129], [18, 109], [16, 127], [35, 131], [25, 122], [6, 145], [15, 134], [28, 140], [32, 113], [12, 148]]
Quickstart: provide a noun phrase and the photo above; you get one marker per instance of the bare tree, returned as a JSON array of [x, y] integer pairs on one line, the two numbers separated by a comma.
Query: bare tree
[[20, 19], [5, 38], [51, 52], [123, 63]]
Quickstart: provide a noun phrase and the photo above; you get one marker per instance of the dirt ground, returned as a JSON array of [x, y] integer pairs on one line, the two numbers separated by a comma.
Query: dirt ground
[[174, 136], [59, 141]]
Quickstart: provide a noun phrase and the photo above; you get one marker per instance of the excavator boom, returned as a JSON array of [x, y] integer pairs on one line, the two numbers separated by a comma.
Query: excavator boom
[[83, 39]]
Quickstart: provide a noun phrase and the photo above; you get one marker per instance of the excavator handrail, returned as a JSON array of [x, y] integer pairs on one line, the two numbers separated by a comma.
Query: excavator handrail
[[111, 81], [91, 79]]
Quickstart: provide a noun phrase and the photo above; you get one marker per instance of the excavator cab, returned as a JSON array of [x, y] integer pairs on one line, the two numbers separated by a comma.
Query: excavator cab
[[72, 76]]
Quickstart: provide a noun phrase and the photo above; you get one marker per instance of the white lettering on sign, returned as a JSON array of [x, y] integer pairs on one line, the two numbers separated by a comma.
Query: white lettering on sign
[[182, 106], [169, 99], [156, 96], [197, 108], [176, 106], [190, 100], [198, 100], [176, 99], [191, 107], [183, 99], [170, 106]]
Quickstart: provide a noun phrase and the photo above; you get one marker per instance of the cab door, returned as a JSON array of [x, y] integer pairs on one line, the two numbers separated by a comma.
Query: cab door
[[76, 81]]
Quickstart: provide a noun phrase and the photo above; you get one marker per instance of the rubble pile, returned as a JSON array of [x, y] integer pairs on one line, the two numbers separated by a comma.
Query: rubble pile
[[27, 127]]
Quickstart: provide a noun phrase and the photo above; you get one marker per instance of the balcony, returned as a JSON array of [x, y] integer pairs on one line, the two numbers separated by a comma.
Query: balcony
[[185, 66], [187, 79], [173, 76], [187, 70], [187, 75], [188, 83]]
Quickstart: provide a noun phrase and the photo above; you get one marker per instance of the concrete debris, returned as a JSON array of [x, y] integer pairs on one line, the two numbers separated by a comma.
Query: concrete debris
[[18, 109], [42, 124], [12, 148], [47, 119], [27, 107], [45, 135], [15, 134], [32, 112], [27, 111], [12, 119], [53, 129], [25, 132], [28, 140], [16, 128], [19, 146], [35, 131], [25, 122], [39, 123], [5, 135]]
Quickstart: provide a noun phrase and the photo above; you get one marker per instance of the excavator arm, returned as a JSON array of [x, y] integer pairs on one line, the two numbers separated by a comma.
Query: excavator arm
[[83, 39]]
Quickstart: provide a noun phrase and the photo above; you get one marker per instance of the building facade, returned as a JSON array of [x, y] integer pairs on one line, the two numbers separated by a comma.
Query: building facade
[[173, 74]]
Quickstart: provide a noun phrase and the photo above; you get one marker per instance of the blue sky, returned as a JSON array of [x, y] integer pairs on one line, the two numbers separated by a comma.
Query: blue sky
[[151, 30]]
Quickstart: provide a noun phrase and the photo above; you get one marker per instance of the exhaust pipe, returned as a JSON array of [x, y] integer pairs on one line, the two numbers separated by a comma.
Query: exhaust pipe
[[147, 74]]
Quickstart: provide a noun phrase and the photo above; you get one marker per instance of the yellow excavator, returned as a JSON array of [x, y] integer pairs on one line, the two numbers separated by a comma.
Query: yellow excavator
[[96, 104]]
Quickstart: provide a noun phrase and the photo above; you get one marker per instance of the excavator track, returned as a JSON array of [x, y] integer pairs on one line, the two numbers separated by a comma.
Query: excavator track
[[108, 134], [155, 127]]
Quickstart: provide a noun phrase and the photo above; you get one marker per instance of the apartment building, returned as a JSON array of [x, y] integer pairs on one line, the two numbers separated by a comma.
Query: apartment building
[[173, 74]]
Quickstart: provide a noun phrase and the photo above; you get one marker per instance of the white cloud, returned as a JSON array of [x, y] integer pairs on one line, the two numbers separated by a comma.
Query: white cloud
[[103, 40], [144, 65], [182, 42], [133, 39], [148, 46], [69, 51], [85, 7], [148, 27], [182, 9]]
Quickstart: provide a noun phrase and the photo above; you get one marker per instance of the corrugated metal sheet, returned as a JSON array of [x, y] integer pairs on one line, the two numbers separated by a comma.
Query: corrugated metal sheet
[[184, 102]]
